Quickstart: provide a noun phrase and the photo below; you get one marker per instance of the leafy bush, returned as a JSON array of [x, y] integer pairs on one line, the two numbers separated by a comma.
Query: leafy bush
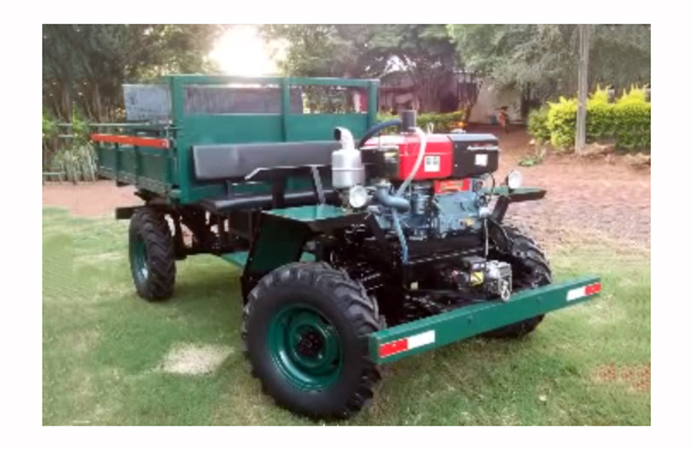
[[537, 124], [632, 125], [442, 122], [74, 156], [627, 121], [50, 125], [80, 127], [535, 158], [561, 122], [77, 162]]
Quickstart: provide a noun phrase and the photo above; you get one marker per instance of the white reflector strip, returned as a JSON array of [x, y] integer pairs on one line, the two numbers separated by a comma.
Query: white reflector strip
[[419, 340], [584, 291], [408, 343], [577, 293]]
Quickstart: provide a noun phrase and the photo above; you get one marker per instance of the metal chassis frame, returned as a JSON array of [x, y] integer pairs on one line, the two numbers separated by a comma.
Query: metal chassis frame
[[470, 321]]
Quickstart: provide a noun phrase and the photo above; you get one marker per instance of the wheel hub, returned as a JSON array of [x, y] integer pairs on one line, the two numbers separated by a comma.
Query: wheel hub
[[140, 258], [305, 347], [310, 344]]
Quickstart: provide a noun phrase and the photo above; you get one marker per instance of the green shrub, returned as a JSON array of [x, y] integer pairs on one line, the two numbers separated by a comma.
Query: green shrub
[[384, 117], [50, 125], [561, 122], [442, 122], [627, 121], [80, 127], [74, 156], [77, 162], [533, 159], [632, 125], [600, 116], [537, 124]]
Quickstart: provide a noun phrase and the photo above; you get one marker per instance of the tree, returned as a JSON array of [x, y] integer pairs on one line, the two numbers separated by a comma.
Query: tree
[[89, 63], [424, 52], [545, 57], [328, 50]]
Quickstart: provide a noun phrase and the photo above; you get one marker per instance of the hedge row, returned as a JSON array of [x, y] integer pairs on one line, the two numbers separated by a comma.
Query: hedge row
[[626, 122], [442, 122]]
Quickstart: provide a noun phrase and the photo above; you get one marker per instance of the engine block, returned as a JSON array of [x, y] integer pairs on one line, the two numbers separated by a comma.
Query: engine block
[[437, 215]]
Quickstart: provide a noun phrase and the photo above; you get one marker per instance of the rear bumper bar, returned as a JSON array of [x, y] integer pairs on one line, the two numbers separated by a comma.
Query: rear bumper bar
[[426, 334]]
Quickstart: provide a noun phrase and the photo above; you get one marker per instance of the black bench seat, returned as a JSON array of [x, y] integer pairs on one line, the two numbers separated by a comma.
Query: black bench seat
[[238, 162], [218, 162]]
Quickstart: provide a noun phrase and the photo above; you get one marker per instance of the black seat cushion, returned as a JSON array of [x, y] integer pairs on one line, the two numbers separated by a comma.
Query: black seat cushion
[[232, 161]]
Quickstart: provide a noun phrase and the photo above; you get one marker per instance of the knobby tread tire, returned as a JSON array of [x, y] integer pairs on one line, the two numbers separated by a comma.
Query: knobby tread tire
[[530, 269], [151, 226], [353, 312]]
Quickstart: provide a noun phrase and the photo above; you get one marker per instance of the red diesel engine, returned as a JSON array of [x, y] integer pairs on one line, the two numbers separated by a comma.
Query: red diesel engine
[[446, 156]]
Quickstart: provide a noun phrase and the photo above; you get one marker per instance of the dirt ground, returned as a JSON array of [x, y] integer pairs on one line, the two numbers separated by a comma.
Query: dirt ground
[[595, 196]]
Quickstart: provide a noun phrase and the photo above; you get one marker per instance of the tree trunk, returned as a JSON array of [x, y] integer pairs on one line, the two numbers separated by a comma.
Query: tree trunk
[[97, 104], [581, 126]]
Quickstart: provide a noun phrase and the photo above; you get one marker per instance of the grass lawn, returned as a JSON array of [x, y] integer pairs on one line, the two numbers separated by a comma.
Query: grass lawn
[[110, 358]]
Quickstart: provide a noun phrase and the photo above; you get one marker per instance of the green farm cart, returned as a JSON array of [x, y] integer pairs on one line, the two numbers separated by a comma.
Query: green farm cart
[[360, 243]]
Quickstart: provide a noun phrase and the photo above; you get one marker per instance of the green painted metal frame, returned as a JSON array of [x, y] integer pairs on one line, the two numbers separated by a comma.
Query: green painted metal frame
[[519, 192], [170, 172], [240, 258], [147, 168], [281, 237], [479, 318], [246, 128]]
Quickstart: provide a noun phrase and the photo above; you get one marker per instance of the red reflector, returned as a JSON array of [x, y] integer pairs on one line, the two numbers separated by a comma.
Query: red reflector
[[595, 288], [393, 347]]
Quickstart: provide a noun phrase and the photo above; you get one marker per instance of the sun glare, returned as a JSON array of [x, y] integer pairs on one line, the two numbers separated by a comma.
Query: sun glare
[[241, 51]]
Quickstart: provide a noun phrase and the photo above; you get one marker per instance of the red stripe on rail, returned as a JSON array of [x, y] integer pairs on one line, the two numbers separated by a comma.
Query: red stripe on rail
[[393, 347], [131, 140]]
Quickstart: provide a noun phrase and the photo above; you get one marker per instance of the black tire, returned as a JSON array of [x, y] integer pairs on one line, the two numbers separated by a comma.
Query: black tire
[[152, 255], [530, 270], [349, 313]]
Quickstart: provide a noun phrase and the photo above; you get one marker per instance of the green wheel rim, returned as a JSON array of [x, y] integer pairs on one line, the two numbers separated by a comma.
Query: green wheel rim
[[305, 347], [140, 266]]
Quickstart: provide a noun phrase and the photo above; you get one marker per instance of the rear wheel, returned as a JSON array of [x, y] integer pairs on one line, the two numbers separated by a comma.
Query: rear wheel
[[306, 329], [152, 255], [530, 270]]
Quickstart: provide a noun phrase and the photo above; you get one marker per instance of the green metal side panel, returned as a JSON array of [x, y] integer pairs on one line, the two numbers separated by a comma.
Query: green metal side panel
[[170, 172], [236, 128], [276, 243], [281, 237], [316, 218], [320, 127], [241, 258], [249, 128], [309, 213], [232, 128], [145, 167], [436, 331]]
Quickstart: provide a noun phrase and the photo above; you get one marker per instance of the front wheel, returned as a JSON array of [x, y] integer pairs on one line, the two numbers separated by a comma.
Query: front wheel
[[530, 269], [306, 329]]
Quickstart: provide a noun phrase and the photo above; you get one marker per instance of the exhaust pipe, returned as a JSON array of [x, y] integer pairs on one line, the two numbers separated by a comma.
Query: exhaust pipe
[[344, 137]]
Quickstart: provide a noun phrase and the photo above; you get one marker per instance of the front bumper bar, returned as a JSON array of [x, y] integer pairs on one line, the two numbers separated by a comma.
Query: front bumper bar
[[426, 334]]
